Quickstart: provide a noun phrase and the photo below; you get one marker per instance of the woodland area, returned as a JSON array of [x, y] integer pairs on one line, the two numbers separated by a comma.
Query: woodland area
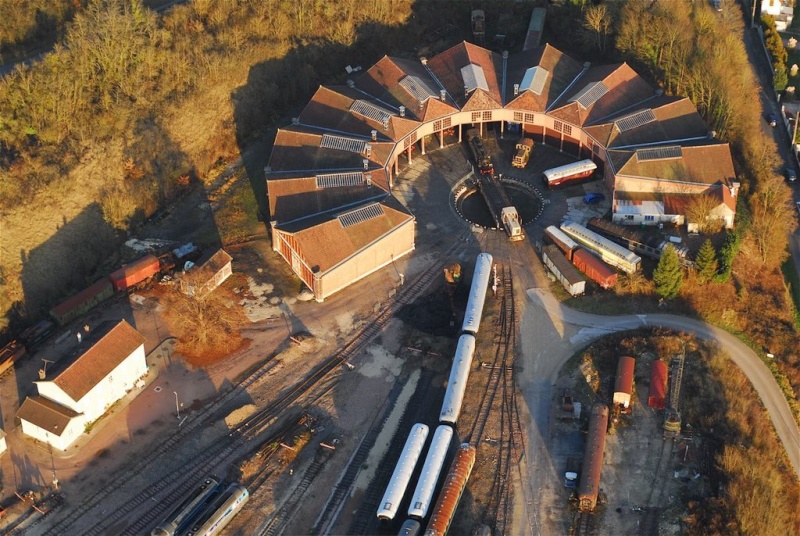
[[132, 108]]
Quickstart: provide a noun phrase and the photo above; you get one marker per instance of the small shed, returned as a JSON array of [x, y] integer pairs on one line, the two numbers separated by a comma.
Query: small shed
[[658, 385], [209, 273], [623, 386]]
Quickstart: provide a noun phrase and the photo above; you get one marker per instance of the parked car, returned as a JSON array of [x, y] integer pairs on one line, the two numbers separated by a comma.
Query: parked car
[[772, 119], [593, 198], [790, 175]]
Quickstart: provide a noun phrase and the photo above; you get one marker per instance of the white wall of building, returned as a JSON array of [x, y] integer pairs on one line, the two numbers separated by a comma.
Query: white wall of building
[[62, 442]]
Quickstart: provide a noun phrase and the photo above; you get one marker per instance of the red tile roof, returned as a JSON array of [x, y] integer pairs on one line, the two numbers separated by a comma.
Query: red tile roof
[[46, 414], [447, 68], [297, 148], [77, 375], [324, 242]]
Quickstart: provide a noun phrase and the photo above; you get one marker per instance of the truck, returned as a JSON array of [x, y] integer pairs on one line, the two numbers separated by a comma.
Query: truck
[[523, 154], [572, 472]]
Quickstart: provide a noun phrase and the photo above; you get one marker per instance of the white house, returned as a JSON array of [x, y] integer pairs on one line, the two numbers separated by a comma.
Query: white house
[[3, 446], [209, 273], [781, 10], [81, 387]]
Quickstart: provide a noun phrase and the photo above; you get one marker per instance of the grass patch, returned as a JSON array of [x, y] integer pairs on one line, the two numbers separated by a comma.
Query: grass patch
[[237, 216]]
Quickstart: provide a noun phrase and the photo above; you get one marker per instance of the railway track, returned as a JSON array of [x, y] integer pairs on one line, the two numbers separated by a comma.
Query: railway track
[[157, 496], [583, 524], [498, 404]]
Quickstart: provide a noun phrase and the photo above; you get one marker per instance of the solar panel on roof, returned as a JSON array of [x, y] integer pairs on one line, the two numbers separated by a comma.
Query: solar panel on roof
[[659, 153], [367, 109], [360, 215], [417, 87], [590, 94], [334, 180], [534, 79], [342, 143], [635, 120], [473, 77]]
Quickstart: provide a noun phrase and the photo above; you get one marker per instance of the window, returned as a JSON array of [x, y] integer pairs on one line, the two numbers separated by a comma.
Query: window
[[446, 122], [476, 117], [487, 116], [629, 217], [567, 129], [558, 126], [529, 118], [649, 218], [437, 125], [518, 117]]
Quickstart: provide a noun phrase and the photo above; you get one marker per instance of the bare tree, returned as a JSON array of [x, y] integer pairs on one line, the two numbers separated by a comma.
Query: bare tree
[[598, 20], [700, 210]]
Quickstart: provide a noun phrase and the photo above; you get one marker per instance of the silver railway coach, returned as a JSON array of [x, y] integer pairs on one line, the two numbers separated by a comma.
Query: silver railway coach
[[219, 513], [611, 252], [477, 293], [457, 383], [403, 471], [423, 495], [190, 506]]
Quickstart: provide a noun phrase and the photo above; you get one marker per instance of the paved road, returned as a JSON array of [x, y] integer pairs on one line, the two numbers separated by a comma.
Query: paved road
[[574, 329]]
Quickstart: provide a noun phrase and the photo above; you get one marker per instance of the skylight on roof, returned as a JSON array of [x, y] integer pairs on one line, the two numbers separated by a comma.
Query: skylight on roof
[[659, 153], [360, 215], [635, 120], [342, 143], [336, 180], [372, 111], [474, 78], [417, 87], [590, 94], [534, 79]]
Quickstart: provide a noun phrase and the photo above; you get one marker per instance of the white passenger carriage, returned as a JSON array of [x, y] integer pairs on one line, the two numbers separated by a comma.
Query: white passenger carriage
[[402, 472], [477, 293], [457, 384], [423, 495], [611, 252]]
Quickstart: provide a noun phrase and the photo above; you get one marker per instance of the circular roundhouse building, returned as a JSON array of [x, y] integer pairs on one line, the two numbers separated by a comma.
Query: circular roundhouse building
[[330, 176]]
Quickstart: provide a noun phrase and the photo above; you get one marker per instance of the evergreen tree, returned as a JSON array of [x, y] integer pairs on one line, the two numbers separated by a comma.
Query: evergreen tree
[[668, 276], [706, 262]]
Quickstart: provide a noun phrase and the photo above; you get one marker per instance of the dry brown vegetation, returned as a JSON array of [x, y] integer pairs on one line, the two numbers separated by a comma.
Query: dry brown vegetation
[[754, 488], [206, 327]]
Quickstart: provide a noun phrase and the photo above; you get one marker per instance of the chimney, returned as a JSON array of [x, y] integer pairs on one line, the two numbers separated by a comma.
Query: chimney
[[295, 120], [659, 92], [41, 374], [587, 64], [423, 60], [466, 92], [367, 149], [368, 179], [386, 124], [366, 164], [712, 134], [442, 94], [505, 54], [374, 135], [516, 89], [402, 111], [267, 170], [350, 83]]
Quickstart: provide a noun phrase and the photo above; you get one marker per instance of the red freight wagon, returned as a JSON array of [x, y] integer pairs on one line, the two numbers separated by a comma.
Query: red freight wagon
[[82, 302], [658, 385], [135, 272], [597, 270], [623, 386]]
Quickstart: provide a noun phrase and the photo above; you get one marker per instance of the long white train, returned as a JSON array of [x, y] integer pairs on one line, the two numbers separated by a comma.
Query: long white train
[[402, 472], [450, 411], [611, 252]]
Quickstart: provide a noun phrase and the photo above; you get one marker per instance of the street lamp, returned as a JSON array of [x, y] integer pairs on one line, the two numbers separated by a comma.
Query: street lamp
[[177, 407]]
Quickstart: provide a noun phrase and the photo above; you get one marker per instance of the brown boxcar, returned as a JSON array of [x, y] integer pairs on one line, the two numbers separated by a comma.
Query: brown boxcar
[[658, 385], [82, 302], [623, 385], [594, 268], [589, 486], [134, 273], [10, 354], [451, 492]]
